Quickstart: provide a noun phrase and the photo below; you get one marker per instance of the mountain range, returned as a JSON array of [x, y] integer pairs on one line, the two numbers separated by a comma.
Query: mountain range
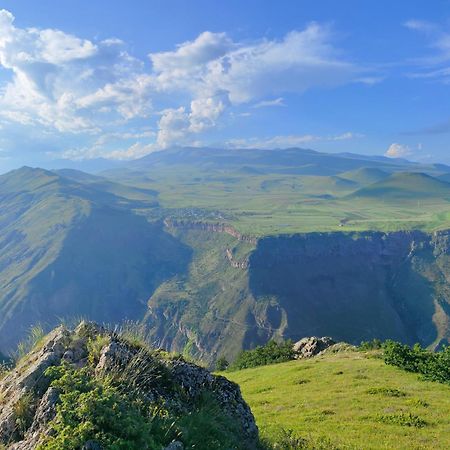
[[216, 250]]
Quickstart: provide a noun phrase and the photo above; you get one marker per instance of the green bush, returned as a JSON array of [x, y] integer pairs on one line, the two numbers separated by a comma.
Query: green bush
[[386, 392], [23, 413], [403, 419], [207, 427], [434, 366], [289, 440], [270, 353], [374, 344]]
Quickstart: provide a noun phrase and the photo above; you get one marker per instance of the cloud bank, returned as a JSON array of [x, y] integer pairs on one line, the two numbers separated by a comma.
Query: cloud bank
[[63, 84]]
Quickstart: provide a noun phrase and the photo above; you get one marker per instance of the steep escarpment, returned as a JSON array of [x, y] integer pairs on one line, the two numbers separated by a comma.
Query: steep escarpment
[[351, 286], [357, 286], [211, 227]]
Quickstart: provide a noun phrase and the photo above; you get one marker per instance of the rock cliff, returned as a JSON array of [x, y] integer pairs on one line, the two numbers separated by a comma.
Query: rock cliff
[[351, 286]]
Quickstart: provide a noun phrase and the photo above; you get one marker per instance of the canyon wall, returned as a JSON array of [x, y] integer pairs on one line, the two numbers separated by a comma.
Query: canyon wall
[[357, 286], [351, 286]]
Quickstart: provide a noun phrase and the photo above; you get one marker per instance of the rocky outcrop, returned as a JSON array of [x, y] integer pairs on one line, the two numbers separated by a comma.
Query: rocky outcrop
[[243, 264], [211, 227], [311, 346], [28, 401]]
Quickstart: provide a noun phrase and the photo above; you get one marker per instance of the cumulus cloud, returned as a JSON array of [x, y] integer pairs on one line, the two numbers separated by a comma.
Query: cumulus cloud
[[299, 61], [398, 151], [213, 66], [67, 83], [63, 83]]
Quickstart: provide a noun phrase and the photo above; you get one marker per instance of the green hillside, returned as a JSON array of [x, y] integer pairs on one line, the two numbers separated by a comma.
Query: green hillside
[[267, 192], [365, 175], [353, 399], [406, 186], [263, 244], [70, 249]]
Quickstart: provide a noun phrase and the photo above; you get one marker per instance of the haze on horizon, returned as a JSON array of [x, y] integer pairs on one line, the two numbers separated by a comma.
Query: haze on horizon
[[86, 80]]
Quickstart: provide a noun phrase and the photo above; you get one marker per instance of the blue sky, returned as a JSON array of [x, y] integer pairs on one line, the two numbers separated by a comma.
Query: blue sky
[[112, 79]]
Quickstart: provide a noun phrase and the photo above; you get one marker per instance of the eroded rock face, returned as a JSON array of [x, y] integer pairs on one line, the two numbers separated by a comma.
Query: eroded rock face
[[311, 346], [180, 386]]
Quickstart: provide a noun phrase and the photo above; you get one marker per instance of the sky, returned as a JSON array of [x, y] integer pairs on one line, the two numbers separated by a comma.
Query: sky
[[81, 80]]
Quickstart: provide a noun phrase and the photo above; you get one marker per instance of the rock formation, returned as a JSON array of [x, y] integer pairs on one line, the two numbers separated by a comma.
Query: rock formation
[[28, 386], [311, 346], [211, 227]]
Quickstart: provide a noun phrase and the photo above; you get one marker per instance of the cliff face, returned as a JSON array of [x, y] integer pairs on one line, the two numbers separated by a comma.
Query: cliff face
[[352, 287], [357, 286]]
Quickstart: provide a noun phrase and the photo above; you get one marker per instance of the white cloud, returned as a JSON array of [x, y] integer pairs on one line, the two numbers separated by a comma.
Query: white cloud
[[436, 64], [299, 61], [136, 150], [214, 66], [173, 127], [177, 126], [284, 141], [62, 83], [398, 151], [192, 54], [268, 103]]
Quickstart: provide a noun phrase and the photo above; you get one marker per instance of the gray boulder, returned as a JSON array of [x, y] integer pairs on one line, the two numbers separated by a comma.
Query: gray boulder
[[311, 346]]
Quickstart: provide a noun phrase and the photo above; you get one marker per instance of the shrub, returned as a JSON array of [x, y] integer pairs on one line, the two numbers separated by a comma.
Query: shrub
[[374, 344], [289, 440], [433, 366], [98, 409], [94, 411], [207, 427], [387, 392], [270, 353], [403, 419], [23, 413], [95, 347]]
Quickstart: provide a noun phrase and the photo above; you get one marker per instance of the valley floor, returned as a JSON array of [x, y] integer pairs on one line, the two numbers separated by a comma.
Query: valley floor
[[353, 399]]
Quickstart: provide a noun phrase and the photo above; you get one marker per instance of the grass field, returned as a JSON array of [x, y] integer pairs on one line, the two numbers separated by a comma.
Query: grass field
[[283, 203], [355, 401]]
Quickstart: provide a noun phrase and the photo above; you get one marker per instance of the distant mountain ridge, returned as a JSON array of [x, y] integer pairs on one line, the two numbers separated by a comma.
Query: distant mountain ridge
[[305, 161]]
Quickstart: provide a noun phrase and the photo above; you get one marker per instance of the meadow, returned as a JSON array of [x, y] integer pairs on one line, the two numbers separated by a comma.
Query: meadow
[[267, 204], [352, 400]]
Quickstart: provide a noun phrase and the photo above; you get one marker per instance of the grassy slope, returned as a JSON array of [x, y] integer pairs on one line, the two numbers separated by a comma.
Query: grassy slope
[[57, 257], [328, 397]]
